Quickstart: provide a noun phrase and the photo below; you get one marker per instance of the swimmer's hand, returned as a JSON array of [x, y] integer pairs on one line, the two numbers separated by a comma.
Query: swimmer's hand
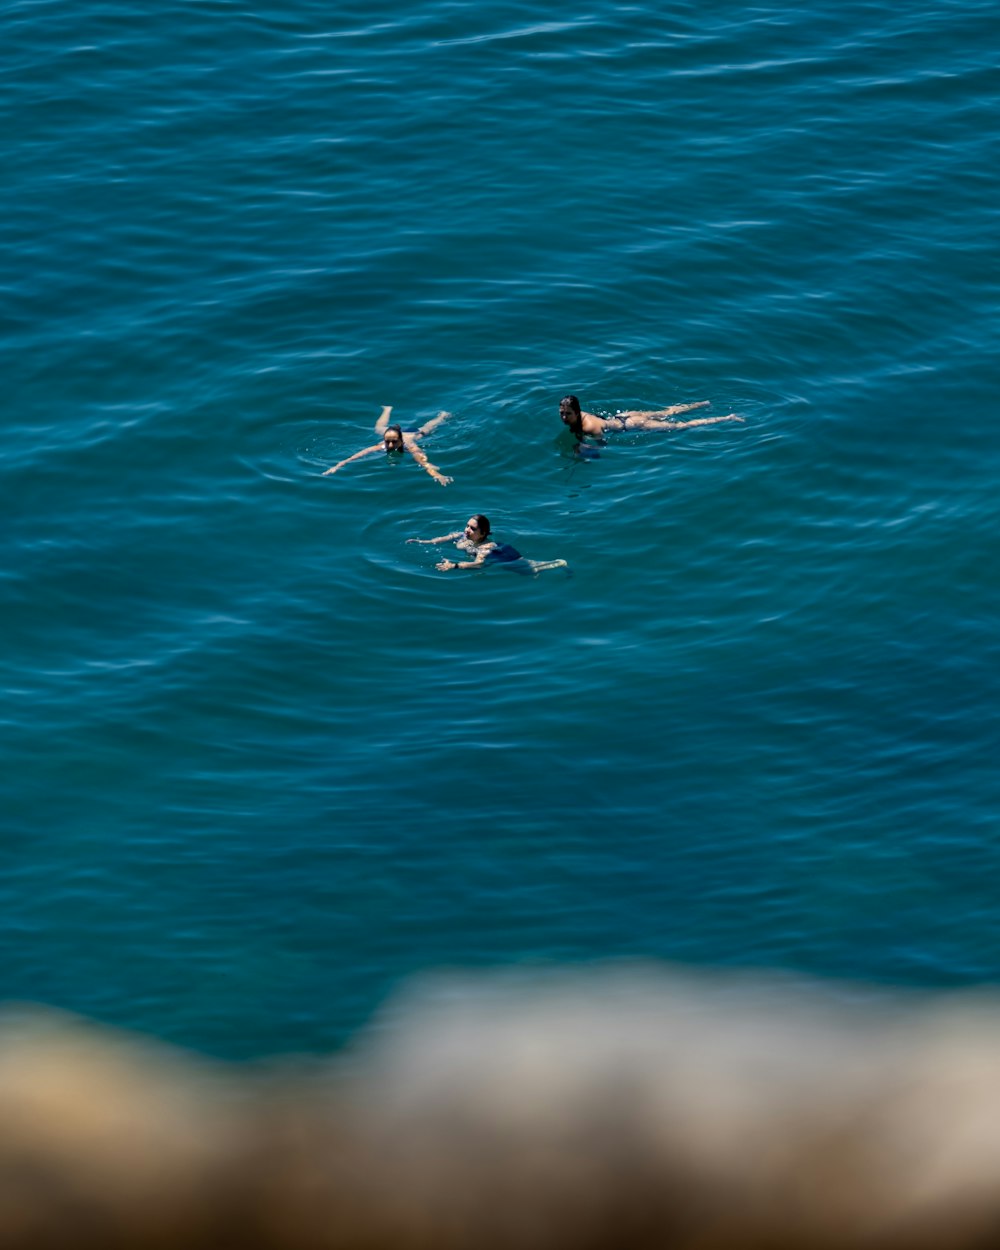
[[445, 565], [442, 478]]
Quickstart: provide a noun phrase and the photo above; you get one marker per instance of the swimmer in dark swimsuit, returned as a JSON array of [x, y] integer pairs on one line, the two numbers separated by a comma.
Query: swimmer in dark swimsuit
[[581, 423], [395, 439], [475, 541]]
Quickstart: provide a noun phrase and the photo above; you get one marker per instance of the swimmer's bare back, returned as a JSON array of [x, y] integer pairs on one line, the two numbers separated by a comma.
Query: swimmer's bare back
[[651, 420]]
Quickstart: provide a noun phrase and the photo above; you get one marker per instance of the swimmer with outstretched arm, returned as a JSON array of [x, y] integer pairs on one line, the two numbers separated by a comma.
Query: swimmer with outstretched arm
[[581, 423], [475, 541], [395, 439]]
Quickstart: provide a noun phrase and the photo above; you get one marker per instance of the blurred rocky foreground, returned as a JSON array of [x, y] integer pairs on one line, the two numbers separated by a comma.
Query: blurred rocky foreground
[[620, 1109]]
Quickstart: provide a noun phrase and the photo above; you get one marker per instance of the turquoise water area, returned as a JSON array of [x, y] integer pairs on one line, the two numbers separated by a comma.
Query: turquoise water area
[[262, 762]]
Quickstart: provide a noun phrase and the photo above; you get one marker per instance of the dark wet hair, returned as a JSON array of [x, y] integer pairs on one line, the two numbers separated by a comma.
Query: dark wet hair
[[573, 402], [397, 428], [483, 523]]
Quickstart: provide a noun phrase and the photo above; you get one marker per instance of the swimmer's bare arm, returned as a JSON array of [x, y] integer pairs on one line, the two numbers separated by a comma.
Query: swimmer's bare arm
[[481, 553], [421, 459], [433, 423], [445, 538], [357, 456], [383, 421]]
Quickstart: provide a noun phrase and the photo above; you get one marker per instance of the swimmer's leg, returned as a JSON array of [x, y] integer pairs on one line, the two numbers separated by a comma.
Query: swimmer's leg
[[648, 423], [538, 566], [433, 423], [383, 421], [674, 410]]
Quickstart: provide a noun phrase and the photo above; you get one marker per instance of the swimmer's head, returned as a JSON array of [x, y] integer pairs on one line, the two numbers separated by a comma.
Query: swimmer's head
[[569, 412], [393, 438], [477, 528]]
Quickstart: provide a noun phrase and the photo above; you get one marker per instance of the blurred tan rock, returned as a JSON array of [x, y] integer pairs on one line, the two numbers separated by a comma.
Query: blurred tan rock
[[625, 1108], [104, 1138]]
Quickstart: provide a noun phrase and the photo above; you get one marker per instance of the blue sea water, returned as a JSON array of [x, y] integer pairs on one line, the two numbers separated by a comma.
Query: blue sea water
[[261, 761]]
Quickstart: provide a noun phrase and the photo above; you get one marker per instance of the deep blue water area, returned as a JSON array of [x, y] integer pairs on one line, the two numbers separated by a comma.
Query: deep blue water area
[[261, 760]]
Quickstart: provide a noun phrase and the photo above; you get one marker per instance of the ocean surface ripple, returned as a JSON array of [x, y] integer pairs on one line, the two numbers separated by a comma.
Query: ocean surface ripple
[[263, 760]]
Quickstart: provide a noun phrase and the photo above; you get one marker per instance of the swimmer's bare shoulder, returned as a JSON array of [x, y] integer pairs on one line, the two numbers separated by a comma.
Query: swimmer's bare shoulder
[[592, 424]]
